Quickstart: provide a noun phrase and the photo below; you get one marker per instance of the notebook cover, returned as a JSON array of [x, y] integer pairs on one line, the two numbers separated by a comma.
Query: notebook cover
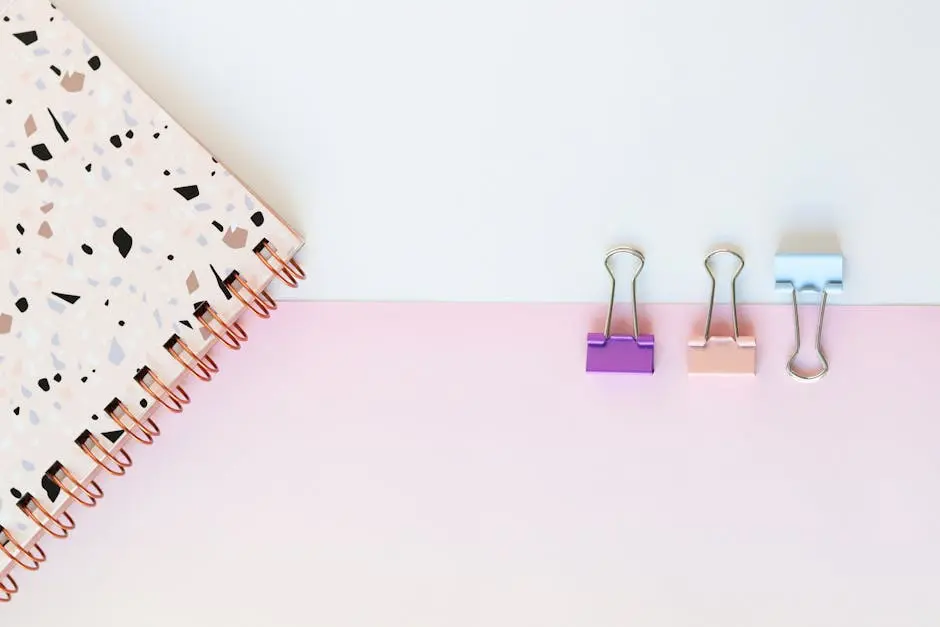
[[115, 224]]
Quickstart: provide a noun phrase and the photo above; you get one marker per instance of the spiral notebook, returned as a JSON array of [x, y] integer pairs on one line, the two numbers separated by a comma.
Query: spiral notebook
[[128, 251]]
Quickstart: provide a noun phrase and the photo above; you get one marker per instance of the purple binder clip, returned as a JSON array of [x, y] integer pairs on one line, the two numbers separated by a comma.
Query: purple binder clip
[[620, 353]]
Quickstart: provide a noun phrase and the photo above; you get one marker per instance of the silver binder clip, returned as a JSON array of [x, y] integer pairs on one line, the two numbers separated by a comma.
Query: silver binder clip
[[813, 272]]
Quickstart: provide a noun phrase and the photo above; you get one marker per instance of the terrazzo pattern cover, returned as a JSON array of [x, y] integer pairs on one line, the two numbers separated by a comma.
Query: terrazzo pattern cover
[[115, 225]]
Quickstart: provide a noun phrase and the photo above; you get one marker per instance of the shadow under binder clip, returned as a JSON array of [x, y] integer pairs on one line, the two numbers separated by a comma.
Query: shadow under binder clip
[[819, 273], [710, 354], [620, 353]]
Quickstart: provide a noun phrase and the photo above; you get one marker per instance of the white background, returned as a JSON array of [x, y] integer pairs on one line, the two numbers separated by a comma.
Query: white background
[[494, 149]]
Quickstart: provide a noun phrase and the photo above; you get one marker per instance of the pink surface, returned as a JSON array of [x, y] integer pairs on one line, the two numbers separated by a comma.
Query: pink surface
[[722, 355], [452, 465]]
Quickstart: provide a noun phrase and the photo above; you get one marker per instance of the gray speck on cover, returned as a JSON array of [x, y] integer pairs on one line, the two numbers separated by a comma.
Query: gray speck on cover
[[10, 188], [115, 353], [13, 289], [68, 117], [115, 281], [98, 150], [99, 222], [55, 341], [106, 173], [202, 240], [40, 85], [25, 391], [33, 417], [157, 318], [127, 116], [58, 365], [70, 260], [203, 206], [28, 465], [56, 305]]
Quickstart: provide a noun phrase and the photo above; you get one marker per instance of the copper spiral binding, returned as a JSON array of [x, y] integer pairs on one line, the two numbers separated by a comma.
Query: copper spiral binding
[[260, 304], [8, 590], [122, 465], [149, 432], [28, 504], [143, 430], [290, 272], [206, 365], [147, 377], [83, 494], [7, 538], [234, 334]]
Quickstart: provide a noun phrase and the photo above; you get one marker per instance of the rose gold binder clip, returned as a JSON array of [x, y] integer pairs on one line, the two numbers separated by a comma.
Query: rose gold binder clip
[[723, 355]]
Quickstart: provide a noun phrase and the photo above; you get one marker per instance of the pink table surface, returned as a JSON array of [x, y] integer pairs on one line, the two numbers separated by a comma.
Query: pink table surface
[[451, 465]]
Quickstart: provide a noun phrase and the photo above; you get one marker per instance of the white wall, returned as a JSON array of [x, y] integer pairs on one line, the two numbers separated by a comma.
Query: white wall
[[493, 149]]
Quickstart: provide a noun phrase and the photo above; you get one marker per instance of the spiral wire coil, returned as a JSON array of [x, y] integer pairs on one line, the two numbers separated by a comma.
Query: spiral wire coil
[[116, 463]]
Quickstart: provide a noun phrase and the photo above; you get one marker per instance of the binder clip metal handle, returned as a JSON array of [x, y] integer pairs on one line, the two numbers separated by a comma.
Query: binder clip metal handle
[[734, 300], [733, 355], [621, 353], [819, 273], [613, 286]]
